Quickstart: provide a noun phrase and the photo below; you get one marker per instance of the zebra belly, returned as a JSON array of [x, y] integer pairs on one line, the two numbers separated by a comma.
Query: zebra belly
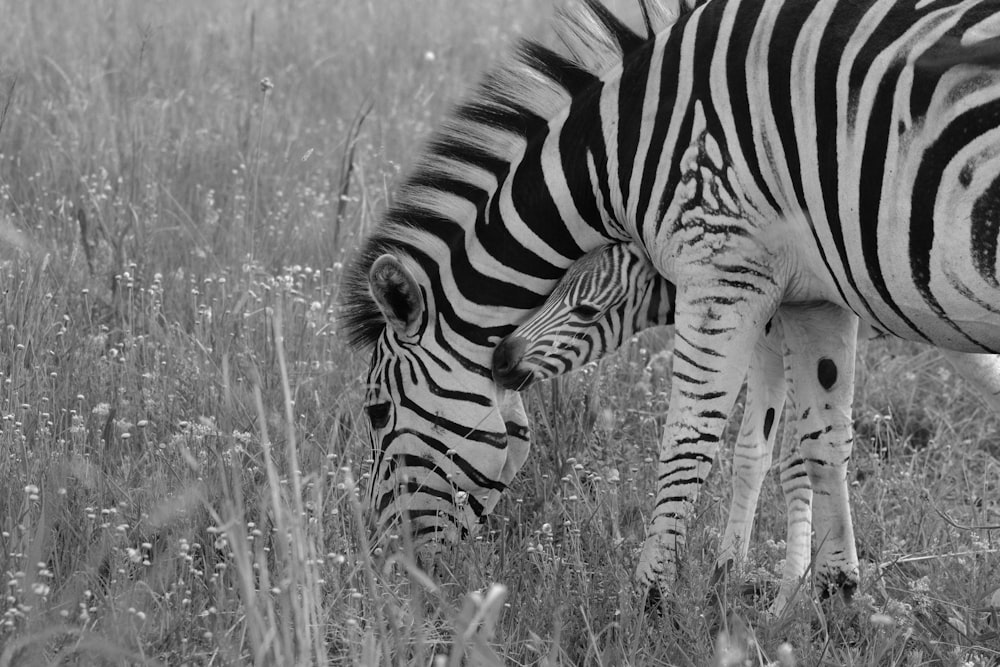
[[944, 299]]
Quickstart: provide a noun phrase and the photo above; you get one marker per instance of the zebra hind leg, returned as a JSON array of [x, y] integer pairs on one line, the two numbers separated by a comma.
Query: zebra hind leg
[[765, 401], [797, 491], [982, 371], [820, 344]]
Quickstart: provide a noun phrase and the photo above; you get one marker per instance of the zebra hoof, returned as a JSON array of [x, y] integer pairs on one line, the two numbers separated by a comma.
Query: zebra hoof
[[654, 601], [657, 563], [720, 575], [660, 605], [725, 586], [844, 582]]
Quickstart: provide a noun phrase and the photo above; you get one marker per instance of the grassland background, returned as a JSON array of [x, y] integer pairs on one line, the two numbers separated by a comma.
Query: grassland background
[[179, 440]]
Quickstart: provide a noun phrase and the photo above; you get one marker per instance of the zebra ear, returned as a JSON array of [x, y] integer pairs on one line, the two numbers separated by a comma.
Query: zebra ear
[[397, 294]]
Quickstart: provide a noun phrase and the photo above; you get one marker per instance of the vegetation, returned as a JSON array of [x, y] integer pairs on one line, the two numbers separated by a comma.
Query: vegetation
[[180, 426]]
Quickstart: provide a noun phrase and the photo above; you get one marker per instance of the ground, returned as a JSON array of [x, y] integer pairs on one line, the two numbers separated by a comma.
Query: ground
[[180, 422]]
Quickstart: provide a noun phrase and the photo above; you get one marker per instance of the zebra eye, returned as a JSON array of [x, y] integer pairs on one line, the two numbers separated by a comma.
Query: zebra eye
[[378, 414], [586, 312]]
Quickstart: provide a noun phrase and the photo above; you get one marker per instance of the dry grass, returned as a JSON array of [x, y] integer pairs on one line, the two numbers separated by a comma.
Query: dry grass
[[178, 419]]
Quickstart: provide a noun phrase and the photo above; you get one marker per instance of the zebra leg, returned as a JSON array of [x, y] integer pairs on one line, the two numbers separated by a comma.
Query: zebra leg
[[754, 447], [797, 490], [982, 371], [820, 343], [717, 327]]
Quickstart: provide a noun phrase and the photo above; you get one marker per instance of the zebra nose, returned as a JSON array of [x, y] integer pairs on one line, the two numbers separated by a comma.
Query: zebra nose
[[507, 361]]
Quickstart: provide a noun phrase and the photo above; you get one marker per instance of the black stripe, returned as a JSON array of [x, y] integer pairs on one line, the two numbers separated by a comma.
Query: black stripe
[[491, 438], [602, 337], [985, 229], [581, 134], [687, 378], [674, 175], [705, 45], [550, 64], [534, 204], [627, 40], [839, 30], [631, 93], [737, 61], [450, 394], [787, 28], [947, 52], [704, 350], [688, 456], [475, 476], [870, 192], [967, 127], [466, 363], [707, 396], [688, 360], [667, 98]]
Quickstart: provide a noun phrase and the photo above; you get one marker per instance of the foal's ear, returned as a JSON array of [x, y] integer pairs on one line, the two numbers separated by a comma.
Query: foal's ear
[[397, 294]]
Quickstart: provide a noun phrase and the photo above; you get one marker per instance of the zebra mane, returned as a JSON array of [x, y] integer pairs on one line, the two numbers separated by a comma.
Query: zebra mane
[[483, 135]]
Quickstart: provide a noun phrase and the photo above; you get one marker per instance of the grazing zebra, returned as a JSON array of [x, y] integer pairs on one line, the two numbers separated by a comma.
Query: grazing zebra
[[834, 159], [612, 293]]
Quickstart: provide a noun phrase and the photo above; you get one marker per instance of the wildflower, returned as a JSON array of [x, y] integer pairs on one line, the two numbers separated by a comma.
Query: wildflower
[[881, 619], [786, 656], [265, 85]]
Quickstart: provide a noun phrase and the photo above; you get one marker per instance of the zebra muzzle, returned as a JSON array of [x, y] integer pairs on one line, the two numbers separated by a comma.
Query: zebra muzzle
[[508, 372]]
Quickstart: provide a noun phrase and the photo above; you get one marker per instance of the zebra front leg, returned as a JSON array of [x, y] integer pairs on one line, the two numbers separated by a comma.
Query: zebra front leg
[[754, 447], [820, 343], [717, 327]]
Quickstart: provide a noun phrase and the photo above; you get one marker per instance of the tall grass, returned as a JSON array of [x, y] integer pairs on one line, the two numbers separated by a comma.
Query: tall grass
[[179, 422]]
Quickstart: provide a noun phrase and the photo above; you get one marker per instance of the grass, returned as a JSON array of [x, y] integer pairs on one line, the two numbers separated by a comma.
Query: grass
[[179, 422]]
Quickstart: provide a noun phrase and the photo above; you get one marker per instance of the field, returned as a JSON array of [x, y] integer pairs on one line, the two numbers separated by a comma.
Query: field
[[180, 424]]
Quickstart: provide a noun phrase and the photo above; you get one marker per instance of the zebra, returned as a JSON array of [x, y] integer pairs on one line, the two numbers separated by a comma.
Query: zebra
[[828, 161], [612, 293]]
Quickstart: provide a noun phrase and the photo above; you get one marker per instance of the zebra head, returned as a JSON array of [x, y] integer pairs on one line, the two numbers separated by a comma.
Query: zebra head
[[497, 206], [446, 440], [606, 297]]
